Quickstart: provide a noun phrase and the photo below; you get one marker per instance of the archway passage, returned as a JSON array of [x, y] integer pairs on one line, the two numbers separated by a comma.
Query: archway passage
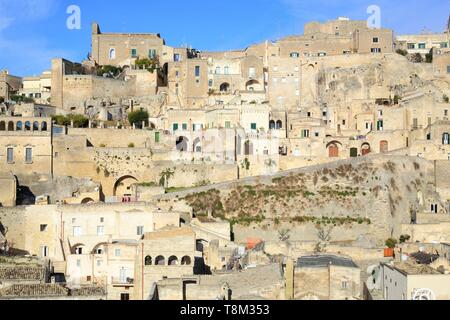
[[384, 146], [225, 87], [173, 261], [365, 149], [182, 144], [123, 188], [186, 261], [87, 201], [253, 85], [160, 261]]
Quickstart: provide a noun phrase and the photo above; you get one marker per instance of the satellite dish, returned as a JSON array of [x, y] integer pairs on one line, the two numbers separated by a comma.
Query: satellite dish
[[423, 294]]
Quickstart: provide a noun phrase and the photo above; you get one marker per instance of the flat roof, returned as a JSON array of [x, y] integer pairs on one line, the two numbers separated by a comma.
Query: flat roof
[[320, 261]]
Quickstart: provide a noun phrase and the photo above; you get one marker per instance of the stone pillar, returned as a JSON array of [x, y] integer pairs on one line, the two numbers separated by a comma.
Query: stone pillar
[[289, 279], [143, 124], [90, 124], [134, 126], [71, 123]]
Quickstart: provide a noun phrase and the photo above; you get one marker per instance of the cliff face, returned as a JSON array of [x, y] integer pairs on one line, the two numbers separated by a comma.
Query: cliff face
[[375, 195]]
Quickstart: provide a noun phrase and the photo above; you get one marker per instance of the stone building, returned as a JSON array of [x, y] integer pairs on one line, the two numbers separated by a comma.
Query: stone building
[[326, 277], [9, 85]]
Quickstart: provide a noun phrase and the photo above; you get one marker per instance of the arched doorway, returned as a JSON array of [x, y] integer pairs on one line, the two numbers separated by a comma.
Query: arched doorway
[[272, 125], [186, 261], [365, 149], [333, 149], [10, 126], [2, 126], [225, 87], [173, 261], [123, 188], [279, 125], [384, 146], [182, 144], [160, 261]]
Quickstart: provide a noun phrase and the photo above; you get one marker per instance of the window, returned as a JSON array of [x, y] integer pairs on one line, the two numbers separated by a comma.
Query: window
[[448, 69], [10, 155], [253, 126], [305, 134], [434, 208], [217, 70], [197, 71], [185, 126], [140, 230], [28, 155], [100, 230], [375, 50], [152, 53], [78, 263], [445, 139], [134, 53], [316, 134], [210, 83], [117, 252], [44, 251], [79, 251], [295, 55], [37, 95], [376, 40], [124, 296], [176, 57], [343, 122], [99, 263], [445, 113], [177, 73], [228, 124], [411, 45], [112, 54], [251, 72], [77, 231], [74, 220], [422, 46], [102, 220], [226, 70], [444, 45], [43, 227], [344, 285], [175, 127]]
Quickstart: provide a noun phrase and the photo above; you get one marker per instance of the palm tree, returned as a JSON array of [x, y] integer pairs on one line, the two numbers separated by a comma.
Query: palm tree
[[165, 177]]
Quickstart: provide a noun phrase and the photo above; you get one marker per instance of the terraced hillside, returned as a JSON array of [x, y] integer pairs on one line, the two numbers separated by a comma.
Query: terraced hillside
[[371, 196]]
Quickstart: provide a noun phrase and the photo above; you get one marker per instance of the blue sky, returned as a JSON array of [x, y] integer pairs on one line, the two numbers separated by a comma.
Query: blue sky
[[32, 32]]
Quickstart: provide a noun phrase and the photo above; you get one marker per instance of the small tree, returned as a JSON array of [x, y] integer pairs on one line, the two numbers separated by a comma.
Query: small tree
[[416, 58], [109, 71], [165, 177], [404, 238], [148, 64], [391, 243], [402, 52], [137, 117]]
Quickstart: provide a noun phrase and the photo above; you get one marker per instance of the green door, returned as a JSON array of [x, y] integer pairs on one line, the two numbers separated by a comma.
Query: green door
[[157, 137]]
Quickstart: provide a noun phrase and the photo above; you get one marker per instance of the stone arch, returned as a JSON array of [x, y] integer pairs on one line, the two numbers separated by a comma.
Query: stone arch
[[225, 87], [44, 126], [248, 148], [35, 126], [384, 146], [160, 261], [253, 85], [2, 126], [197, 145], [19, 126], [27, 126], [122, 187], [10, 126], [182, 144], [173, 261], [272, 124], [78, 248], [100, 246], [87, 201], [148, 261], [186, 261], [365, 149]]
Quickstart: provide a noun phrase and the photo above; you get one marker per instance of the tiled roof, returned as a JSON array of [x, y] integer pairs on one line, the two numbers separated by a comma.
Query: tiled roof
[[22, 273], [33, 290], [88, 291], [320, 261]]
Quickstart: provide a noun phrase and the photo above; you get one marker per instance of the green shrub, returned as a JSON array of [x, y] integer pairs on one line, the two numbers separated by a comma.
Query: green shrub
[[402, 52], [391, 243], [130, 145], [137, 117]]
